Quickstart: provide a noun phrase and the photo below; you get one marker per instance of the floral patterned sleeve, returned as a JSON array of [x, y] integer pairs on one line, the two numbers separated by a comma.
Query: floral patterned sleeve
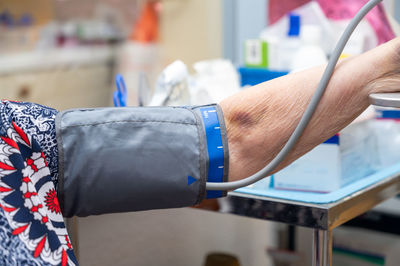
[[32, 230]]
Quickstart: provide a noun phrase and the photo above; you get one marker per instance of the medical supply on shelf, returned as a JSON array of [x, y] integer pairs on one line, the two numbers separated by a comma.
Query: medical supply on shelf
[[310, 14], [310, 53], [276, 46], [120, 95], [172, 86], [256, 53], [339, 161], [140, 54], [144, 90], [363, 39], [386, 130], [213, 81], [289, 45], [302, 47], [254, 76]]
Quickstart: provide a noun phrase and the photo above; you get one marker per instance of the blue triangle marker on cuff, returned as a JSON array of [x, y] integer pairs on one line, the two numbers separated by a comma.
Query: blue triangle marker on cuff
[[191, 180]]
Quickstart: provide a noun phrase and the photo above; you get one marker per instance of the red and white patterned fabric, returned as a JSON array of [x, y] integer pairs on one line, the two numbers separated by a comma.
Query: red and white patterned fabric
[[29, 203]]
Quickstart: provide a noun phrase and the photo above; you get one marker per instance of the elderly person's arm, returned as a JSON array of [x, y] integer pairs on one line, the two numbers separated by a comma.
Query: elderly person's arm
[[129, 159], [260, 120]]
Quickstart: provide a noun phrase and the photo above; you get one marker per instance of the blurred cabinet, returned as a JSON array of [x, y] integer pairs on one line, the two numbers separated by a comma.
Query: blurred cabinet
[[60, 89], [58, 80]]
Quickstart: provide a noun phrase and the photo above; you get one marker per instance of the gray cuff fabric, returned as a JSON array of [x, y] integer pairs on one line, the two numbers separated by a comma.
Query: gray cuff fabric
[[130, 159]]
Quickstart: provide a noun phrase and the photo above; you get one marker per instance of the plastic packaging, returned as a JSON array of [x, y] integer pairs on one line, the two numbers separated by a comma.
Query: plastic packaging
[[213, 81], [362, 40], [341, 160], [386, 130], [310, 53], [311, 14], [289, 45], [256, 53], [172, 86]]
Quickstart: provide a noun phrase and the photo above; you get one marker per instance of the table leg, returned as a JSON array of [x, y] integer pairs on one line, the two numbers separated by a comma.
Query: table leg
[[322, 248]]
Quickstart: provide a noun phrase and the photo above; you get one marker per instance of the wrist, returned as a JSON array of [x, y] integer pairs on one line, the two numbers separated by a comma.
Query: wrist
[[384, 65]]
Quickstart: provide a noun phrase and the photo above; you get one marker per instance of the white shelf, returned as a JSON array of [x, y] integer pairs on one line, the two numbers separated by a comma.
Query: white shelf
[[43, 60]]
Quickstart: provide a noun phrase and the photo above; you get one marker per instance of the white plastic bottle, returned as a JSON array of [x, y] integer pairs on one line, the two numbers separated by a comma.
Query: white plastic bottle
[[310, 53], [289, 45]]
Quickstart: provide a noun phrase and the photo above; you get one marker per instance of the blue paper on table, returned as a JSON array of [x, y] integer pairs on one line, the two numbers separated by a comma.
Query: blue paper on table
[[323, 198]]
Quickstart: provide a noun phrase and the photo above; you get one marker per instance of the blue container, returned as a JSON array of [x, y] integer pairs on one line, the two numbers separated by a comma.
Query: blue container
[[254, 76]]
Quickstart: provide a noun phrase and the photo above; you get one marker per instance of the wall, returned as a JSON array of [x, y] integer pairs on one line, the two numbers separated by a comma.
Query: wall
[[191, 30], [41, 10], [242, 21], [397, 11]]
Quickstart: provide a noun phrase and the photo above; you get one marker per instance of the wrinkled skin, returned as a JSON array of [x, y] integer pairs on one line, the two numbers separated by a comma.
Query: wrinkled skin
[[260, 119]]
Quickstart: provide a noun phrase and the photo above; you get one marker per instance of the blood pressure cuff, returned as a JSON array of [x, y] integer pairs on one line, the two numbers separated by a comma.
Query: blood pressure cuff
[[130, 159]]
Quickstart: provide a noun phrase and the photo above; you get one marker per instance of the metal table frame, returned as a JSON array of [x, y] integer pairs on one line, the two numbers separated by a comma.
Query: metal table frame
[[323, 218]]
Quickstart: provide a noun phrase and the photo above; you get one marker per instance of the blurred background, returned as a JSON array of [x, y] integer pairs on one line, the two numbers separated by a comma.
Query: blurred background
[[66, 53]]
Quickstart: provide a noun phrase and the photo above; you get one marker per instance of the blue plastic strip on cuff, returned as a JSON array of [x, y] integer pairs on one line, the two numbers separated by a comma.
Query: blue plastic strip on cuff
[[215, 149]]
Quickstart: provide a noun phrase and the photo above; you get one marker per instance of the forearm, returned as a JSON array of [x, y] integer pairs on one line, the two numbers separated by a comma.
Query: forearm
[[260, 119]]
